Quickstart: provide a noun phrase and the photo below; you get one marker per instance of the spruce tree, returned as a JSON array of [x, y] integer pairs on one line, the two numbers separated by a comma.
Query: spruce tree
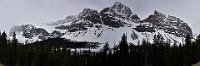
[[187, 51], [13, 50], [4, 58], [124, 51]]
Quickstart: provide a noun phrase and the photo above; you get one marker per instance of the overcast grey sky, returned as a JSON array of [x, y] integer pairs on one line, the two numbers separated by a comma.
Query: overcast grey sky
[[36, 12]]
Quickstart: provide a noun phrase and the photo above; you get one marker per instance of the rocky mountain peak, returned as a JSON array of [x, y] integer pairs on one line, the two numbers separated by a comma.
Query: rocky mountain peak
[[90, 15], [121, 8], [170, 24], [88, 12], [159, 14], [18, 28], [118, 15], [29, 31]]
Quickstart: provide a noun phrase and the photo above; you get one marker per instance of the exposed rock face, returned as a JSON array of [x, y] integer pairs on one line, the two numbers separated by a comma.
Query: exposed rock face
[[56, 34], [121, 8], [86, 19], [30, 31], [169, 24], [90, 15], [117, 15]]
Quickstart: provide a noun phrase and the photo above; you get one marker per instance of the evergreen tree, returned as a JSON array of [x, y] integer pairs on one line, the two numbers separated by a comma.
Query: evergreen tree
[[106, 48], [124, 51], [13, 50], [188, 41], [187, 51], [4, 58], [105, 54]]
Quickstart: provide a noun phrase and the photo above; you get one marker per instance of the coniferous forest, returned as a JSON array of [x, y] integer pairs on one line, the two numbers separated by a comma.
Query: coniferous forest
[[56, 53]]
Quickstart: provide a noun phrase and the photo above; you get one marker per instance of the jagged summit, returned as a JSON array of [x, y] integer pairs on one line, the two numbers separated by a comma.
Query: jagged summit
[[91, 15], [170, 24], [88, 12], [30, 33], [121, 8], [118, 15], [159, 14], [18, 28]]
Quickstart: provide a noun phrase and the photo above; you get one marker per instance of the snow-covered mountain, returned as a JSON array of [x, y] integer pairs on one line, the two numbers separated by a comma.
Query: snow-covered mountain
[[108, 25], [29, 33]]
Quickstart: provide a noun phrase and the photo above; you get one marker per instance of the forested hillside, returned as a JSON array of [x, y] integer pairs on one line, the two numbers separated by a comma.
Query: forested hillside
[[57, 52]]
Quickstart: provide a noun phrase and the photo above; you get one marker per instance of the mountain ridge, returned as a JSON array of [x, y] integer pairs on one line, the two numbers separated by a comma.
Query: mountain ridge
[[111, 23]]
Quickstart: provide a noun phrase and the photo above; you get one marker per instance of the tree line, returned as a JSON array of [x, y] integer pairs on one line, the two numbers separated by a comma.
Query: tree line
[[158, 53]]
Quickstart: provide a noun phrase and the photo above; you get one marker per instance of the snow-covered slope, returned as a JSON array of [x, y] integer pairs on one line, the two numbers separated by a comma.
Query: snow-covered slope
[[29, 33], [108, 25]]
